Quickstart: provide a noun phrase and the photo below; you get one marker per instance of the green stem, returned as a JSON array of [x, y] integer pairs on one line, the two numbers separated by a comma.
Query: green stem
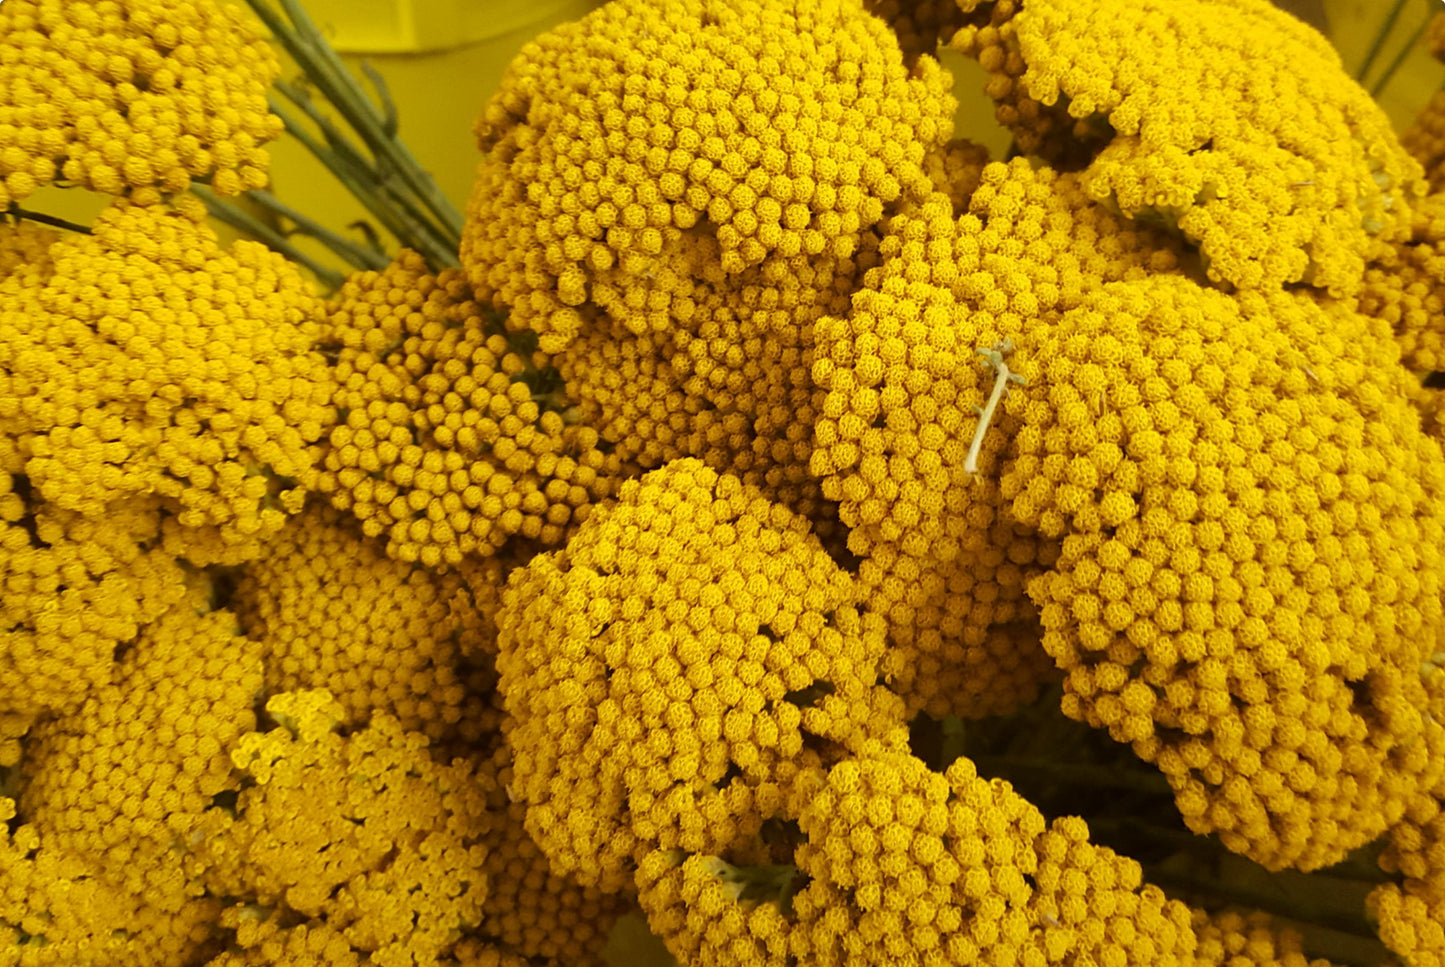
[[1177, 839], [353, 171], [309, 48], [1071, 774], [18, 213], [242, 221], [358, 255], [1399, 59], [1379, 42], [1277, 904]]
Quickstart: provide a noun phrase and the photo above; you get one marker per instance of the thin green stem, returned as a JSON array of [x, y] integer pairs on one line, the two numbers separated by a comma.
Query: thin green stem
[[1275, 903], [241, 220], [1177, 839], [356, 174], [308, 46], [1379, 42], [1399, 59], [1071, 774], [390, 122], [358, 255], [333, 135], [412, 227], [24, 214]]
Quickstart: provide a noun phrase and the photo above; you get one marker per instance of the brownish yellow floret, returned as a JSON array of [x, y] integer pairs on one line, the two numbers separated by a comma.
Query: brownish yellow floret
[[58, 910], [331, 610], [897, 864], [777, 130], [670, 672], [75, 589], [919, 25], [1232, 121], [1251, 523], [1405, 286], [363, 832], [133, 96], [902, 375], [446, 446], [147, 361]]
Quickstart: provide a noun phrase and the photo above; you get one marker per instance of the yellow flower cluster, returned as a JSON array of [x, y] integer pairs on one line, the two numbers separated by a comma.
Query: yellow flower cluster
[[1250, 576], [901, 374], [1410, 912], [672, 670], [24, 243], [147, 361], [331, 610], [364, 835], [1233, 939], [318, 944], [114, 794], [732, 388], [56, 911], [957, 168], [1405, 286], [137, 96], [530, 910], [1232, 121], [1094, 907], [900, 864], [125, 779], [443, 446], [674, 193], [776, 131], [75, 589]]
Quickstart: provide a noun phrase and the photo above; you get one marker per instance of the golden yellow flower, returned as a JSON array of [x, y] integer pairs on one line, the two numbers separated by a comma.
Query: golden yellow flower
[[133, 97], [147, 361], [446, 448], [1231, 120], [675, 667]]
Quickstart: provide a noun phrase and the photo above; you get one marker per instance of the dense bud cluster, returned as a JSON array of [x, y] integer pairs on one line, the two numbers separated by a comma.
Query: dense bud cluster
[[614, 140], [1250, 569], [1233, 121], [895, 863], [444, 446], [135, 97], [331, 610], [674, 668], [901, 376], [147, 361]]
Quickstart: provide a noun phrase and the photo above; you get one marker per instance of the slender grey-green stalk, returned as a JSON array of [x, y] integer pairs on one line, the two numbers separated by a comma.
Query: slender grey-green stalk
[[1376, 45], [1399, 58], [392, 162]]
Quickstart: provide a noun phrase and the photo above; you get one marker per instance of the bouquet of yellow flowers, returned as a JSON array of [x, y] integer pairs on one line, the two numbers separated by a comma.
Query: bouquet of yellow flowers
[[759, 517]]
